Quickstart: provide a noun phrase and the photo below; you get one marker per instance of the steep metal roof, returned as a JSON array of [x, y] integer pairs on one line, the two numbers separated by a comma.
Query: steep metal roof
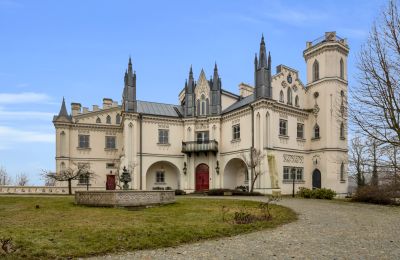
[[243, 102], [159, 109]]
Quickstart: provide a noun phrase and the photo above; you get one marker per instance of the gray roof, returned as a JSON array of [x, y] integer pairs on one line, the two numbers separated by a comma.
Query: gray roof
[[241, 103], [159, 109]]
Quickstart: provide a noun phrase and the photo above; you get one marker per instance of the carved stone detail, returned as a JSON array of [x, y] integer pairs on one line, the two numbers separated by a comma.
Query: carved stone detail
[[290, 158]]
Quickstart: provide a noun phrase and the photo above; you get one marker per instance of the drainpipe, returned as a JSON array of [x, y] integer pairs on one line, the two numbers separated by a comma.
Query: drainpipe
[[141, 150], [252, 146]]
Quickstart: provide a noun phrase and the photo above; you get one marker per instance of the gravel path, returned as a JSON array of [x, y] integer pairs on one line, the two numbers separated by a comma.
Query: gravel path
[[325, 230]]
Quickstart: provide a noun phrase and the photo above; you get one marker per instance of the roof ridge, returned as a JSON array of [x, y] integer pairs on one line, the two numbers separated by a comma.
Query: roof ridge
[[159, 103]]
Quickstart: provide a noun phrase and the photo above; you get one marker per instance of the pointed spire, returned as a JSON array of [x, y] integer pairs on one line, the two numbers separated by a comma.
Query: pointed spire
[[263, 54], [63, 110], [269, 60], [262, 39]]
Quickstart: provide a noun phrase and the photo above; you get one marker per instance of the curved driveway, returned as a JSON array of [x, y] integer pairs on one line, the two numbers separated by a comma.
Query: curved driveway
[[325, 230]]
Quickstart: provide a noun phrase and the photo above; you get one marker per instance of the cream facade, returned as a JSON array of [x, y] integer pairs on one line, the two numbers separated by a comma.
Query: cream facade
[[199, 143]]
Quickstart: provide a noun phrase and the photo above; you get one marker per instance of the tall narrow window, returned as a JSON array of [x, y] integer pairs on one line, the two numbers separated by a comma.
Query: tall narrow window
[[110, 142], [108, 119], [342, 172], [315, 71], [289, 96], [296, 101], [282, 127], [281, 97], [118, 119], [83, 141], [98, 120], [162, 136], [342, 131], [236, 132], [341, 69], [203, 104], [316, 132], [160, 177], [300, 131]]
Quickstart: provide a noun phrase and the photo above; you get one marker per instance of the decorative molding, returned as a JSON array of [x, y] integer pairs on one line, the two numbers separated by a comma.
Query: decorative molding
[[291, 158]]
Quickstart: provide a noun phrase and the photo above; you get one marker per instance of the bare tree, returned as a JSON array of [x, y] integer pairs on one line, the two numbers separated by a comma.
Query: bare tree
[[5, 179], [377, 99], [80, 170], [358, 160], [253, 162], [21, 179]]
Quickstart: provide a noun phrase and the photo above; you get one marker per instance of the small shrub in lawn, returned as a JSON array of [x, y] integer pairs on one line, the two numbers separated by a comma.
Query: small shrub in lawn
[[242, 188], [323, 193], [217, 192], [221, 192], [180, 192], [375, 194]]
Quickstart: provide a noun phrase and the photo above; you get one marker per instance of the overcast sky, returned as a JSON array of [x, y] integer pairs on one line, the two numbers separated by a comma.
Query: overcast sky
[[80, 49]]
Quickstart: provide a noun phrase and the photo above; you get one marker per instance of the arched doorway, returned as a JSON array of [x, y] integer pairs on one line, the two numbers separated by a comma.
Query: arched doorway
[[235, 174], [316, 179], [162, 175], [202, 177]]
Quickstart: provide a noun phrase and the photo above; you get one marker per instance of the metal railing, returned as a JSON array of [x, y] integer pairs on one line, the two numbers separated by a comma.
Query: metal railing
[[200, 146]]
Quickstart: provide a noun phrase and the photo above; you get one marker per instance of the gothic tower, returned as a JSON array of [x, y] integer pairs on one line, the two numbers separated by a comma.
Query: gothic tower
[[129, 95], [262, 73], [216, 86], [189, 95]]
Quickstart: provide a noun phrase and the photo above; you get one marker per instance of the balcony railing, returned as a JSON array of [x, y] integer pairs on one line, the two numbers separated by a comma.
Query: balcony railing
[[200, 146]]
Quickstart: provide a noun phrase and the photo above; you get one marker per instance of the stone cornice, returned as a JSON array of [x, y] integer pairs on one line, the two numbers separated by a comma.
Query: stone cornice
[[96, 126], [95, 113], [326, 79], [326, 46]]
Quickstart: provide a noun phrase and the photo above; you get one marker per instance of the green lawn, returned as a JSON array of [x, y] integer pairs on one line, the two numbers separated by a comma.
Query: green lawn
[[61, 229]]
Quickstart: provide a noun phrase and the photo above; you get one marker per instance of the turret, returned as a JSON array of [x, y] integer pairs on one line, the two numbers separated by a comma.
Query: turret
[[189, 95], [129, 94], [63, 114], [215, 82], [262, 73]]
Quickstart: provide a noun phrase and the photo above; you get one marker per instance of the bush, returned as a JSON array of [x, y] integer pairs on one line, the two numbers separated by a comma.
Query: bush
[[323, 193], [220, 192], [375, 194], [242, 188], [180, 192]]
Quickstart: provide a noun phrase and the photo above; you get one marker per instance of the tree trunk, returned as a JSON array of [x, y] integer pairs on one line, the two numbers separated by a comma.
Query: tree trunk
[[69, 187]]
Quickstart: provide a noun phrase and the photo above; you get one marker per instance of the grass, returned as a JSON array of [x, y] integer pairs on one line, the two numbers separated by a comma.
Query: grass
[[60, 229]]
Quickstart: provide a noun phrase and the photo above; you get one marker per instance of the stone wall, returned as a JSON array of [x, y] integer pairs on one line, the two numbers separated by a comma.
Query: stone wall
[[42, 189]]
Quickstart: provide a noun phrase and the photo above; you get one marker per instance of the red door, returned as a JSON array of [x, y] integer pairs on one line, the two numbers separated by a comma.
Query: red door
[[202, 177], [110, 184]]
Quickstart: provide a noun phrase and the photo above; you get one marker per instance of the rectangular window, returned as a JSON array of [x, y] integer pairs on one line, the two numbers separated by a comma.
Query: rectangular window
[[292, 172], [83, 179], [236, 132], [163, 136], [110, 142], [283, 127], [83, 141], [110, 165], [300, 131], [202, 137], [84, 168], [160, 177]]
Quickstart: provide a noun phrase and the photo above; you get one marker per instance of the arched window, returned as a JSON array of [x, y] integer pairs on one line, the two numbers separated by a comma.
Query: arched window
[[108, 119], [98, 120], [315, 71], [62, 166], [316, 132], [281, 97], [203, 105], [342, 172], [296, 101], [289, 96], [118, 119], [62, 143], [342, 130], [341, 69]]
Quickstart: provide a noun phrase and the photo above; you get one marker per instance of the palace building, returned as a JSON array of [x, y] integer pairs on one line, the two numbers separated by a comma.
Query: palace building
[[200, 142]]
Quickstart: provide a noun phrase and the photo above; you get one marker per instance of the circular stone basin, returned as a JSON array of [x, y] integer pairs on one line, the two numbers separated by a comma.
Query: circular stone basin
[[124, 198]]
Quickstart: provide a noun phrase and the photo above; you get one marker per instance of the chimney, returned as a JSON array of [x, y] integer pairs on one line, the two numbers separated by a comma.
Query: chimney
[[245, 90], [85, 110], [95, 108], [115, 104], [75, 108], [107, 103]]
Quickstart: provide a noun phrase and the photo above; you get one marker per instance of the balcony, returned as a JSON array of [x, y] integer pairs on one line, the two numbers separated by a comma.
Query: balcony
[[200, 146]]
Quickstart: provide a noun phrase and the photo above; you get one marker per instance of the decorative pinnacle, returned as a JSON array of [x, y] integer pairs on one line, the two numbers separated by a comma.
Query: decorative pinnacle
[[262, 39]]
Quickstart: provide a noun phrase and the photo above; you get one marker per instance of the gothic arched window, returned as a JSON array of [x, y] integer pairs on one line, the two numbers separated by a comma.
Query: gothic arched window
[[296, 101], [316, 132], [98, 120], [203, 105], [342, 130], [108, 119], [289, 96], [118, 119], [315, 71], [281, 97], [342, 172], [341, 69]]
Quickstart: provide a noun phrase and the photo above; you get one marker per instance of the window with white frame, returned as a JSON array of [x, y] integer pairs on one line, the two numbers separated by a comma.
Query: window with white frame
[[110, 142], [300, 131], [236, 132], [290, 173], [283, 127], [160, 177], [83, 141], [202, 137], [163, 136]]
